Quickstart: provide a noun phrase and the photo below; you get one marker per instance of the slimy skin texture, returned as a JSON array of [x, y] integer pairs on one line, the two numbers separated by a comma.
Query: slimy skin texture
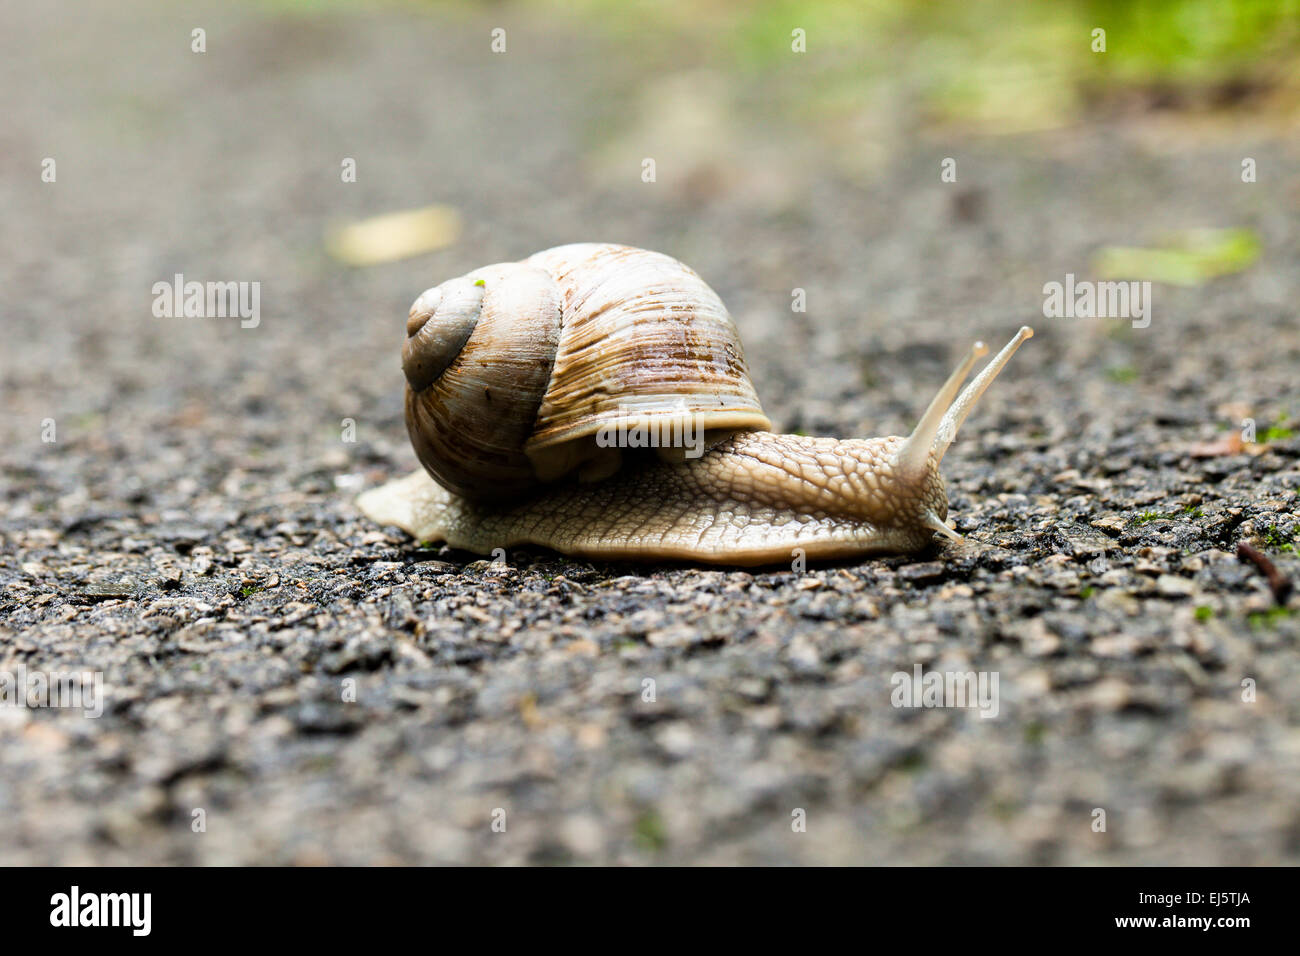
[[750, 500]]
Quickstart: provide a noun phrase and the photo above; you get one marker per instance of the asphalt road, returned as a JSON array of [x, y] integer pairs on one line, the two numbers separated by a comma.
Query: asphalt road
[[324, 690]]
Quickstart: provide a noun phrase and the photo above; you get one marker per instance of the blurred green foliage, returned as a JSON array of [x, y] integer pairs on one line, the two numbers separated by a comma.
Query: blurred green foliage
[[999, 66], [1191, 257], [1147, 41], [1195, 40], [1007, 65]]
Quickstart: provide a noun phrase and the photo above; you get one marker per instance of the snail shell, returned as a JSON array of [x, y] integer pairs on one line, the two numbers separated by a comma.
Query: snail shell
[[514, 368]]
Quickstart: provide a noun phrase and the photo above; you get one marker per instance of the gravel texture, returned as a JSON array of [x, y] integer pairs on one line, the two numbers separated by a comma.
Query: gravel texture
[[190, 533]]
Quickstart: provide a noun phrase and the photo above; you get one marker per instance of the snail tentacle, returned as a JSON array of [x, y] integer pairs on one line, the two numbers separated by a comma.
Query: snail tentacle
[[916, 450], [965, 402]]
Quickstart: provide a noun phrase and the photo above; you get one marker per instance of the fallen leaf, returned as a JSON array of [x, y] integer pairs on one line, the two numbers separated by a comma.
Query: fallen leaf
[[1189, 258], [396, 235], [1229, 444]]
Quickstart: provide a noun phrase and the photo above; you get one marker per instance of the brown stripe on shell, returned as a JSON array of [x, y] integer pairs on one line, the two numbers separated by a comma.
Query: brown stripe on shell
[[641, 330]]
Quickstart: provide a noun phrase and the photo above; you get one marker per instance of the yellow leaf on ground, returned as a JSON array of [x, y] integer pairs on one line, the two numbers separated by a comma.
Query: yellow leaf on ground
[[395, 235]]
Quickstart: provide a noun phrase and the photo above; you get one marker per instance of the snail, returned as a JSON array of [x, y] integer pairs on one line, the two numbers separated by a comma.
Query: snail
[[536, 390]]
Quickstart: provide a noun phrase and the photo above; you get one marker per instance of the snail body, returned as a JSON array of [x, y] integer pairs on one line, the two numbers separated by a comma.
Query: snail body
[[524, 379]]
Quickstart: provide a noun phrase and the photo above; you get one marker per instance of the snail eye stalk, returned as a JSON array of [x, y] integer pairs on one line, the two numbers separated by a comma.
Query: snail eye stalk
[[971, 394], [914, 456]]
